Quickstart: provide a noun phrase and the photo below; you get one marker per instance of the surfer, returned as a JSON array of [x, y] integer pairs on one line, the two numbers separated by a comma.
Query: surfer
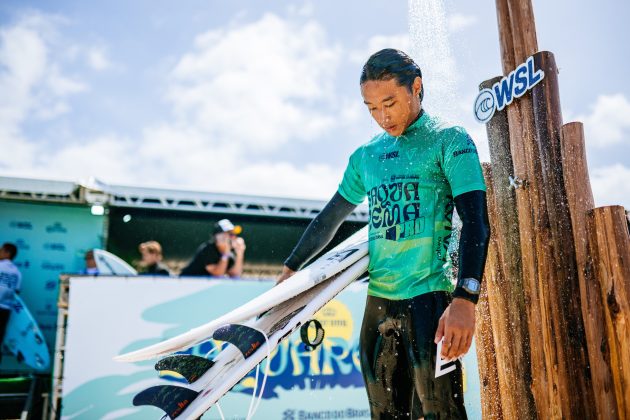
[[413, 175]]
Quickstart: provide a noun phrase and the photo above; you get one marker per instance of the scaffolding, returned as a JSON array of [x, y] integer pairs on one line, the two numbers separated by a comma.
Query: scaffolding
[[95, 192]]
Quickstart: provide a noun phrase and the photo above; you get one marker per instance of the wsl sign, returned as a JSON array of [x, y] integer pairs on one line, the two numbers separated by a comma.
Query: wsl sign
[[502, 93]]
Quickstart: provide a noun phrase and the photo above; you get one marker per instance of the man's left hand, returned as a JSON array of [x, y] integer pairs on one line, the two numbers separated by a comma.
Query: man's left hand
[[456, 326], [238, 245]]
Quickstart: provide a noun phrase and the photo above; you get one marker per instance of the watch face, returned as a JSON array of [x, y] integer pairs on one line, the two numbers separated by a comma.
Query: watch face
[[472, 285]]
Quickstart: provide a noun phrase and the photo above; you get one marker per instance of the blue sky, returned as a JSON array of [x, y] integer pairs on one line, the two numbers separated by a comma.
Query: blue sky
[[262, 97]]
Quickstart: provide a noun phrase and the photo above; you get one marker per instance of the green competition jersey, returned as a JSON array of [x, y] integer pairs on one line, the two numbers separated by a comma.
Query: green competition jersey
[[410, 182]]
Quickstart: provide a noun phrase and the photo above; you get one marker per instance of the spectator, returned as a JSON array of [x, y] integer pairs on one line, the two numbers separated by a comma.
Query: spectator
[[10, 283], [222, 255], [90, 264], [152, 259]]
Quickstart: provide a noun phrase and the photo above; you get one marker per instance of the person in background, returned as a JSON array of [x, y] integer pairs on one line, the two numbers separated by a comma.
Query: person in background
[[10, 284], [151, 263], [222, 255], [90, 264]]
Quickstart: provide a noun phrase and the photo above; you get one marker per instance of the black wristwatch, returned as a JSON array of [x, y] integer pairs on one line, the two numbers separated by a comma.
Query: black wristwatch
[[468, 289]]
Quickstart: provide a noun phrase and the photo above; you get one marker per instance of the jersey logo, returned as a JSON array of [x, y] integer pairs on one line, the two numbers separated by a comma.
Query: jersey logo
[[389, 155], [464, 151]]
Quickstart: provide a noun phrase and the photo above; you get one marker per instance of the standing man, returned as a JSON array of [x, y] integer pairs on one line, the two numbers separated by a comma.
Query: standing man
[[222, 255], [10, 284], [151, 263], [413, 175]]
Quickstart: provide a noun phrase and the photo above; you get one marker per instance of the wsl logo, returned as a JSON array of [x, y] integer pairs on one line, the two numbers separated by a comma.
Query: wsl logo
[[513, 86]]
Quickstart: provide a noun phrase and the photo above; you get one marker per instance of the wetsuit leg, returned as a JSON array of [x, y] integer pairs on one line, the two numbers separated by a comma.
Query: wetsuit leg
[[441, 398], [384, 364]]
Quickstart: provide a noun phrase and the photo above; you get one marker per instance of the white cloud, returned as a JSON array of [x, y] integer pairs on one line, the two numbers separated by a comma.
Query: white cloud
[[608, 123], [30, 80], [260, 85], [240, 92], [32, 86], [97, 58], [305, 9], [458, 22], [610, 185]]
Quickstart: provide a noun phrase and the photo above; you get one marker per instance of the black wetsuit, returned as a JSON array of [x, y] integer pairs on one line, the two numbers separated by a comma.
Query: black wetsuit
[[397, 348]]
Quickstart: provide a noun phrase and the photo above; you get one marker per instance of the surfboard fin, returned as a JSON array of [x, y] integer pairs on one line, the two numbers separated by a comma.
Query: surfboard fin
[[170, 398], [246, 339], [189, 366]]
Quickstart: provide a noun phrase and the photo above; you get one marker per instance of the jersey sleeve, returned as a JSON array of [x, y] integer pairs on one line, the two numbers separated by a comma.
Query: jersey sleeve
[[460, 162], [352, 187]]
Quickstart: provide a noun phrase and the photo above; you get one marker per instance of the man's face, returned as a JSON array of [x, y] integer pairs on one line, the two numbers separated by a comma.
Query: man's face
[[89, 262], [391, 105], [224, 236], [4, 255], [149, 258]]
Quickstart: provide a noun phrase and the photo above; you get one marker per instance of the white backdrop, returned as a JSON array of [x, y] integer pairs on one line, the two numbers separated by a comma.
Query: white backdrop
[[113, 315]]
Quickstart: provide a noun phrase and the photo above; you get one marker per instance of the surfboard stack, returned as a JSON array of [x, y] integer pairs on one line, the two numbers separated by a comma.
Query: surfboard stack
[[251, 332]]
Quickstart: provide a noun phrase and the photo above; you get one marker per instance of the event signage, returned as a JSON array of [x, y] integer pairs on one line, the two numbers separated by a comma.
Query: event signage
[[325, 383], [503, 92]]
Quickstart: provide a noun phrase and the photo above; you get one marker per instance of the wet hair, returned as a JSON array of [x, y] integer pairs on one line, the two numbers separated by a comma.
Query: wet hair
[[390, 64], [11, 249]]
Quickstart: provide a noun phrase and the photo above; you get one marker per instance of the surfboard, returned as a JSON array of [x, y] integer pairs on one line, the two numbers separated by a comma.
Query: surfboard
[[249, 343], [109, 264], [344, 255], [24, 339]]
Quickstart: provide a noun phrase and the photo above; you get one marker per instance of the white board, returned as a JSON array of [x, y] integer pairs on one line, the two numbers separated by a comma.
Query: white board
[[231, 365], [341, 257], [109, 264], [24, 339]]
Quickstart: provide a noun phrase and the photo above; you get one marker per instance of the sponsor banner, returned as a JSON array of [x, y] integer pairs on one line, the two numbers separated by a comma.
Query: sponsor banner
[[503, 93], [113, 315], [51, 239]]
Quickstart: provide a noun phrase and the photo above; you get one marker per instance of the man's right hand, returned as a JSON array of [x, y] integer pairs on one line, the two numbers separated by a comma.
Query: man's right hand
[[286, 273]]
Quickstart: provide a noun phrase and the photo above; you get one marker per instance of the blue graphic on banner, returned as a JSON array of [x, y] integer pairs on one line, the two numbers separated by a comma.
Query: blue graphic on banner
[[51, 240]]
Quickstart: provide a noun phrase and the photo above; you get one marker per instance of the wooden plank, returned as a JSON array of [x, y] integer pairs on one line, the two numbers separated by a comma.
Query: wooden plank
[[491, 319], [609, 243], [580, 200], [534, 249], [523, 29], [506, 43], [568, 338], [508, 297], [530, 209], [484, 338]]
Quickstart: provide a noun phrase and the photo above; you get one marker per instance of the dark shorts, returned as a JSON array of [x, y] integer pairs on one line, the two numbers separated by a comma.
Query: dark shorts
[[398, 360]]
